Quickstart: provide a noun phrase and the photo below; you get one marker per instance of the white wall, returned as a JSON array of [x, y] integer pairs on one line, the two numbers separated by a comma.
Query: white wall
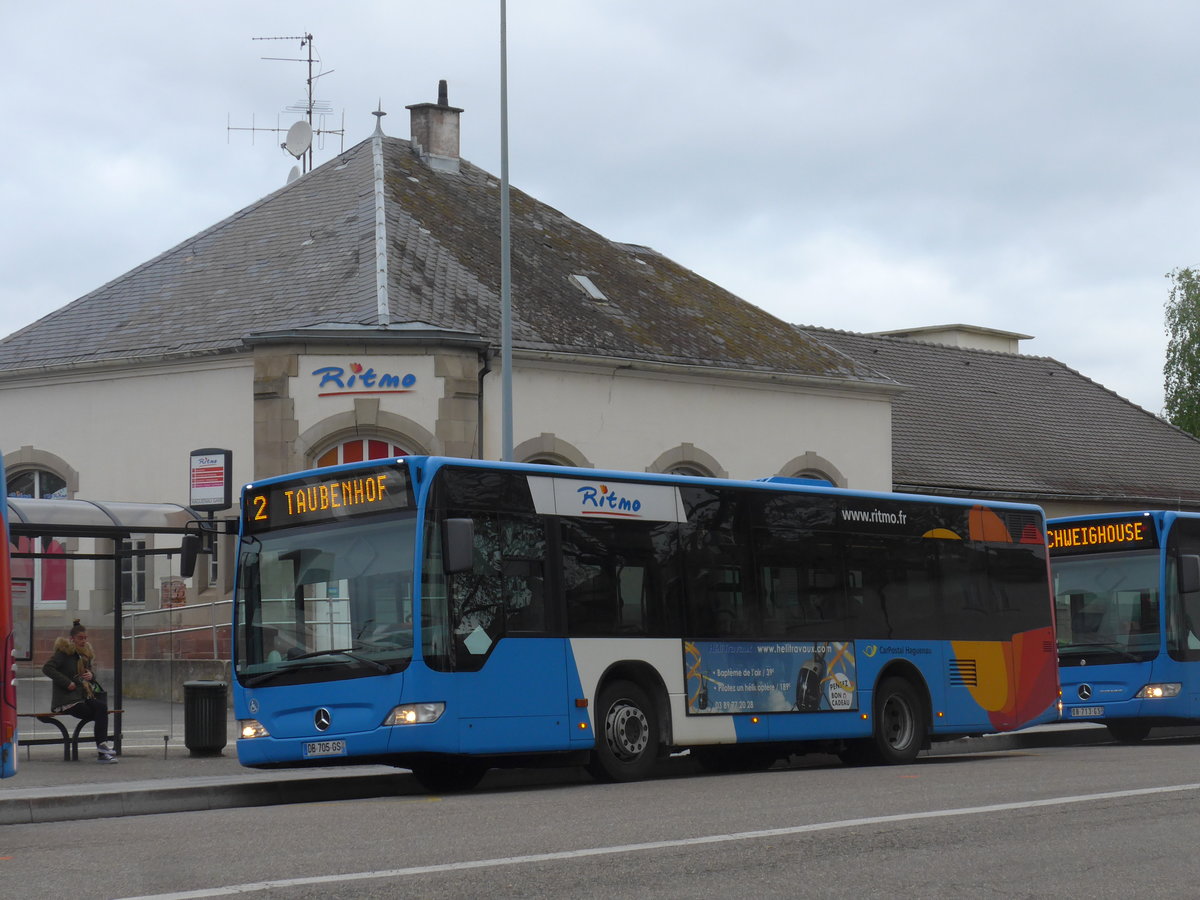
[[625, 420], [128, 435]]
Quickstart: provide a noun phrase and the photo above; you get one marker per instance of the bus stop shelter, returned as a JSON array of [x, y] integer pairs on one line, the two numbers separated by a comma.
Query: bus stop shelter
[[114, 523]]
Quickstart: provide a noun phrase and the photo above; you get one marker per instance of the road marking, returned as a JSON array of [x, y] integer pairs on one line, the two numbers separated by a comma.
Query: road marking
[[253, 887]]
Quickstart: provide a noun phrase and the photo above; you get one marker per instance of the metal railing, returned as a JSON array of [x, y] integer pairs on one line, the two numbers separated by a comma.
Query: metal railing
[[173, 630]]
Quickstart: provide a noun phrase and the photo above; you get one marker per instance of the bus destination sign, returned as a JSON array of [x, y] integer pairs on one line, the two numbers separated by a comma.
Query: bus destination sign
[[1101, 535], [321, 498]]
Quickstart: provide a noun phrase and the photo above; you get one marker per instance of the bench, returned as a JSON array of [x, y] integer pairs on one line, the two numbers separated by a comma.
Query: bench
[[69, 740]]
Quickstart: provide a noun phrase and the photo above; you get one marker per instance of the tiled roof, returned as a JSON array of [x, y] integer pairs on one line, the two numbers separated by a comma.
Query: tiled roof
[[304, 257], [979, 422]]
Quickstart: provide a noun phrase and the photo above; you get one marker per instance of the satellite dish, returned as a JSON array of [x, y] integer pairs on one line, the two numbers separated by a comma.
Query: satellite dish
[[299, 139], [294, 174]]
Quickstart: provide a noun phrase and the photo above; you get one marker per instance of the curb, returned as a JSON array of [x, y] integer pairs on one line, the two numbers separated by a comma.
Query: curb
[[148, 799]]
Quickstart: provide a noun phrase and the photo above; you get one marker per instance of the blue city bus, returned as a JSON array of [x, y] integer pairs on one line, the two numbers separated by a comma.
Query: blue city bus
[[1127, 604], [8, 684], [451, 615]]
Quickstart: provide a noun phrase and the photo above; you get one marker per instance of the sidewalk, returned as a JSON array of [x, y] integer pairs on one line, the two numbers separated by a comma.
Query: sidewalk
[[156, 775]]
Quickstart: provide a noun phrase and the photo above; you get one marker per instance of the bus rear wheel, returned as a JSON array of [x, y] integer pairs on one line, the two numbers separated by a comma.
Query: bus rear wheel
[[626, 734], [900, 729], [450, 775], [1132, 732]]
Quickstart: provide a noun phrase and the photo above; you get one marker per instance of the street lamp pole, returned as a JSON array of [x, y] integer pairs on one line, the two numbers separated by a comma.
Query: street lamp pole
[[505, 265]]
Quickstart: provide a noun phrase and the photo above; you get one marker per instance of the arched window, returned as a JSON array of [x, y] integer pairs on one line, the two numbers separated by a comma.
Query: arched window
[[813, 465], [547, 461], [688, 459], [37, 484], [694, 471], [358, 449], [45, 577]]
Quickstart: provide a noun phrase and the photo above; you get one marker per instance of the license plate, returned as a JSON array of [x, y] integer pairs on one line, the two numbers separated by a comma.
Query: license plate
[[324, 748], [1086, 712]]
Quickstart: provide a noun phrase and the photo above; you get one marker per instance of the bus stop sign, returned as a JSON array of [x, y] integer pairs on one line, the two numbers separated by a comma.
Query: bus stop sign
[[210, 475]]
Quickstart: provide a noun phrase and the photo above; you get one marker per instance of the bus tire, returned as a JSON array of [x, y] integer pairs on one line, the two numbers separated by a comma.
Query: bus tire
[[450, 775], [900, 729], [626, 734], [1128, 732]]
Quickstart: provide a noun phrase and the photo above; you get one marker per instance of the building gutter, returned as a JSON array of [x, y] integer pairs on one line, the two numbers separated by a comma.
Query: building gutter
[[615, 366], [1039, 497], [370, 336]]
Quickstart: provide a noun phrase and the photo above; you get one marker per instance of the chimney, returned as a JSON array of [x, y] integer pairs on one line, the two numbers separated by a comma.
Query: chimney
[[435, 131]]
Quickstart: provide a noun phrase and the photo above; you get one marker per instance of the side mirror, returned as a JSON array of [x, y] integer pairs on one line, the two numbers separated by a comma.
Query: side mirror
[[188, 551], [1189, 573], [458, 545]]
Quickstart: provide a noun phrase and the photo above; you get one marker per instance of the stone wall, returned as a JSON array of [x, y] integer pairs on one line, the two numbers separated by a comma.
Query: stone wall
[[163, 679]]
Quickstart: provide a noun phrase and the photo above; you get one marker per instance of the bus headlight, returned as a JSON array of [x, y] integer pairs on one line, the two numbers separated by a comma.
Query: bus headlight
[[415, 714], [1159, 691], [251, 728]]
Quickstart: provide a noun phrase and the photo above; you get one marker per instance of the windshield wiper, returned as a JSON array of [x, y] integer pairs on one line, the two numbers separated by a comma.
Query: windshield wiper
[[264, 677], [309, 661], [349, 654], [1100, 647]]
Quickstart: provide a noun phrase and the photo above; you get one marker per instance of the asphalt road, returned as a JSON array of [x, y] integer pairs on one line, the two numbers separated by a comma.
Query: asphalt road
[[1091, 821]]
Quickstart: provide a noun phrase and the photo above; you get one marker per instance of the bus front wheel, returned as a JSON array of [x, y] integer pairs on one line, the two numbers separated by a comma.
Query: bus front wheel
[[626, 734]]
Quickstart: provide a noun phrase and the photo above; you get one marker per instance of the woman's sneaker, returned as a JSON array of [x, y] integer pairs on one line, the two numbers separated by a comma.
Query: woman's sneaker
[[105, 754]]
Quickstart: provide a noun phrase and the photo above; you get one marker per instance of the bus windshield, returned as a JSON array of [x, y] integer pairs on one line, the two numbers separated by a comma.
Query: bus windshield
[[1107, 606], [326, 601]]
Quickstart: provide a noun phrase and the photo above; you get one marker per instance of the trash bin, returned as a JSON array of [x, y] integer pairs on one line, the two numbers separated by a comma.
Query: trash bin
[[204, 717]]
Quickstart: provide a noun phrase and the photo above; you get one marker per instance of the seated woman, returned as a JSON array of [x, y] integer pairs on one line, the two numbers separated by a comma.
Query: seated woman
[[76, 690]]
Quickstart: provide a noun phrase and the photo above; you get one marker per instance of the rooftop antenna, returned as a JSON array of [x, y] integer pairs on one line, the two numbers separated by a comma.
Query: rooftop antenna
[[299, 136]]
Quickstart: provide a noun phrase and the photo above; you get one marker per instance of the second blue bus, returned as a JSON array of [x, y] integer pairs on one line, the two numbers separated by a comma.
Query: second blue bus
[[1127, 597]]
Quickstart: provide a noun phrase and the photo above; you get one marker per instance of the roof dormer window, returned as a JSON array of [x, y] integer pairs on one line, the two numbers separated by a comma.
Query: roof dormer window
[[589, 287]]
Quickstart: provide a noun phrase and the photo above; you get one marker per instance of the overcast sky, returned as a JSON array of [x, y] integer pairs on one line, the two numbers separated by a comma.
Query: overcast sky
[[869, 166]]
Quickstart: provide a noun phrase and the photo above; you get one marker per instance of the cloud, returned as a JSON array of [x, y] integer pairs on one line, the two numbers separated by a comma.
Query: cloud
[[865, 166]]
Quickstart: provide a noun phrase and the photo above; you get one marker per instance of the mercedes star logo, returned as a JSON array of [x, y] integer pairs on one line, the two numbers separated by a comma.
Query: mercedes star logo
[[1085, 693], [321, 719]]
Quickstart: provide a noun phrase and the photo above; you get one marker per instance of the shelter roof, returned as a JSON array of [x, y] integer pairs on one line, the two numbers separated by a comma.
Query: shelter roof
[[93, 518]]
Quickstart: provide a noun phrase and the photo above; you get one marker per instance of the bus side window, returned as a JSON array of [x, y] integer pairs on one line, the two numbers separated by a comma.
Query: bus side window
[[616, 576], [523, 568], [866, 584], [475, 600], [1188, 582]]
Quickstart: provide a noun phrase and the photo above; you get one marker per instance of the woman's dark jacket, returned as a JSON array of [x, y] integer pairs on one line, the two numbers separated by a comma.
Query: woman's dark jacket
[[65, 667]]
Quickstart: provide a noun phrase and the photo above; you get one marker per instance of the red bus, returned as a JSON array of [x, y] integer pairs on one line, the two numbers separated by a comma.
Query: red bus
[[8, 684]]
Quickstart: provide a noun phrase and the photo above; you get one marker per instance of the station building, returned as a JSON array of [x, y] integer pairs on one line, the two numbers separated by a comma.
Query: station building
[[356, 313]]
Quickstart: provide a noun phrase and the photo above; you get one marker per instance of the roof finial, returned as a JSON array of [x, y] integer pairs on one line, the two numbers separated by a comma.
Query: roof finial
[[379, 114]]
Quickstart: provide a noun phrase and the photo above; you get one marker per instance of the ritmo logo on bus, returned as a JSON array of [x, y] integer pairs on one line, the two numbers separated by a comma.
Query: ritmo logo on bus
[[598, 498]]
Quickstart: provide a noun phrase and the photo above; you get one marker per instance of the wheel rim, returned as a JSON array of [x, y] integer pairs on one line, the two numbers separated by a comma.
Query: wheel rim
[[899, 723], [626, 730]]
